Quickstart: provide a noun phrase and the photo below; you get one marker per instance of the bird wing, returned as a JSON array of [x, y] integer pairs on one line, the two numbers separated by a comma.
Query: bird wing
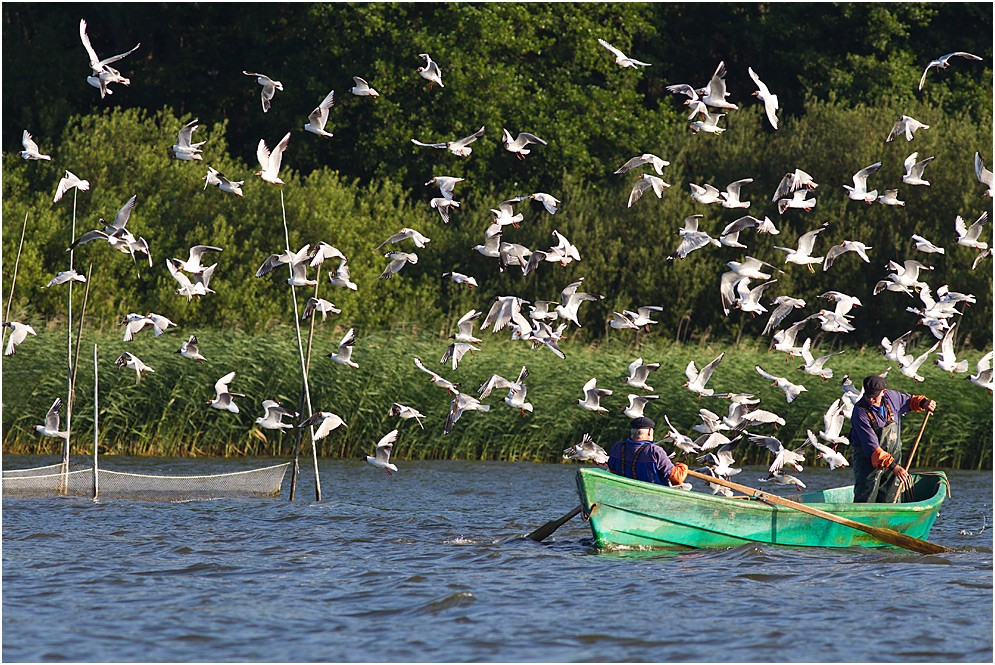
[[52, 417], [985, 176], [221, 386], [469, 139], [760, 84], [28, 143], [86, 44], [618, 54], [386, 445], [319, 116], [717, 86], [860, 177]]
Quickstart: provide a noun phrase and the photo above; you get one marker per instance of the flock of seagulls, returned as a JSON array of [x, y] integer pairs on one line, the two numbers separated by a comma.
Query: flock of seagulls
[[532, 323]]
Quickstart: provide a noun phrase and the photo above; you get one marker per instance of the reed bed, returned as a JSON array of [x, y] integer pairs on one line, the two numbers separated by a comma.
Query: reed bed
[[166, 414]]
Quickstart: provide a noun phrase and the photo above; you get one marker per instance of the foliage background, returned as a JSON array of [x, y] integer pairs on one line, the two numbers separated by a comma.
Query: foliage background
[[843, 73]]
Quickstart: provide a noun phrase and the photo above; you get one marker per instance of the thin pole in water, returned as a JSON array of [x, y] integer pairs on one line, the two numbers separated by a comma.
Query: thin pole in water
[[95, 423], [13, 279], [79, 331], [69, 357]]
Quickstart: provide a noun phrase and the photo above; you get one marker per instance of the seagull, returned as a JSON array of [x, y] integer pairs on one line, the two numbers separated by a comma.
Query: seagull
[[405, 233], [980, 257], [784, 306], [706, 194], [859, 190], [269, 88], [730, 234], [710, 125], [984, 176], [319, 117], [70, 181], [51, 426], [298, 263], [764, 95], [782, 456], [983, 377], [748, 300], [749, 268], [784, 340], [968, 235], [31, 150], [341, 276], [890, 198], [18, 333], [326, 422], [273, 414], [645, 158], [516, 399], [797, 200], [833, 458], [846, 246], [909, 366], [456, 351], [436, 379], [503, 311], [692, 238], [844, 303], [793, 181], [894, 350], [803, 254], [519, 144], [621, 59], [103, 73], [715, 94], [398, 410], [459, 148], [592, 397], [710, 422], [459, 405], [193, 264], [926, 246], [363, 89], [214, 177], [791, 390], [548, 201], [184, 149], [570, 300], [697, 380], [443, 205], [65, 276], [319, 305], [190, 288], [323, 251], [460, 278], [636, 405], [721, 461], [783, 479], [731, 195], [381, 456], [446, 184], [397, 261], [504, 214], [914, 169], [943, 62], [189, 350], [430, 72], [644, 182], [946, 358], [133, 323], [587, 450], [682, 442], [816, 366], [344, 354], [907, 274], [832, 422], [512, 254], [269, 162], [641, 317], [717, 489], [131, 361], [907, 125], [224, 399]]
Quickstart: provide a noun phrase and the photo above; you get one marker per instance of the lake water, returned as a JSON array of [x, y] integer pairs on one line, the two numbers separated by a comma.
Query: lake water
[[430, 565]]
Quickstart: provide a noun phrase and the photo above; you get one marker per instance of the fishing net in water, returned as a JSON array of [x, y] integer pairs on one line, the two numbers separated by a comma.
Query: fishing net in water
[[78, 481]]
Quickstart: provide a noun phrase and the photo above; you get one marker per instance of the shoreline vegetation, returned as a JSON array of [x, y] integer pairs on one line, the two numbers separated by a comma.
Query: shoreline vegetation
[[166, 414]]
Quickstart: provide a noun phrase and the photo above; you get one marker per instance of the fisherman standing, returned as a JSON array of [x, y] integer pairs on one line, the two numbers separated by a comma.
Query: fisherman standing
[[875, 428], [638, 457]]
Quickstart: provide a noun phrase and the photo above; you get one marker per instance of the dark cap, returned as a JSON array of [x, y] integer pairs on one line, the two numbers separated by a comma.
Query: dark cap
[[642, 422], [874, 384]]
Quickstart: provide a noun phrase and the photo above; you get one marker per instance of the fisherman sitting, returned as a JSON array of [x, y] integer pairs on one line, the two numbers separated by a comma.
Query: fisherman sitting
[[638, 457], [875, 427]]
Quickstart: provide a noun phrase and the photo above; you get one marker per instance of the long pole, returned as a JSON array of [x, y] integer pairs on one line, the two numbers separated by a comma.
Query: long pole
[[307, 373], [912, 454], [96, 414], [79, 331], [10, 298], [69, 355]]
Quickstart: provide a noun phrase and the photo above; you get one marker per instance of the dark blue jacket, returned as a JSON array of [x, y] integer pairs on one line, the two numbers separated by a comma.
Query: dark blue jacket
[[651, 465], [861, 431]]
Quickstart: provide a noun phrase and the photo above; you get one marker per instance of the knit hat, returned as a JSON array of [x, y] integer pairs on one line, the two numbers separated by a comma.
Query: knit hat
[[642, 422], [874, 384]]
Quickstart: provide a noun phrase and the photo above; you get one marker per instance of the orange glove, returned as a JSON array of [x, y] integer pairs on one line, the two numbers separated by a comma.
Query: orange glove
[[880, 458], [918, 403], [679, 473]]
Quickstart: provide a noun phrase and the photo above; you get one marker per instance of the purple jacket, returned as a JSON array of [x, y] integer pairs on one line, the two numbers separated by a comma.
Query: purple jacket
[[861, 432]]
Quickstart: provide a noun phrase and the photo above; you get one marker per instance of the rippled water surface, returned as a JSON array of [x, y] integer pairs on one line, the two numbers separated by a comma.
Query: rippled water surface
[[430, 565]]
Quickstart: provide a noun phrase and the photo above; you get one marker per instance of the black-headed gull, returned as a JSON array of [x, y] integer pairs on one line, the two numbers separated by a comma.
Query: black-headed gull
[[456, 351], [460, 147], [430, 72], [622, 322], [907, 274], [946, 359], [362, 88], [190, 350], [985, 177], [816, 366], [621, 59], [709, 125], [513, 254], [791, 390], [715, 94], [319, 305], [103, 74], [692, 238], [273, 414], [446, 184], [793, 181], [926, 246], [645, 158], [548, 201], [705, 194], [636, 405], [638, 373], [943, 62], [832, 423], [31, 150], [592, 397], [398, 410], [498, 382], [890, 198], [697, 379], [437, 379], [764, 95], [833, 458], [18, 333], [381, 456], [319, 117], [783, 479], [646, 181], [159, 323], [983, 373], [802, 254], [586, 450], [968, 235], [460, 278], [322, 252], [855, 246], [980, 257], [443, 205], [747, 299], [642, 316], [224, 399], [914, 169], [65, 276], [193, 264], [184, 149], [730, 197], [214, 177], [190, 288], [894, 349], [70, 181], [404, 234], [798, 199], [570, 300], [730, 234], [131, 361], [909, 365], [460, 404], [519, 144], [133, 323], [397, 261], [859, 190], [784, 306], [51, 426], [905, 125], [326, 422], [269, 88], [505, 213], [269, 162], [782, 456], [343, 355]]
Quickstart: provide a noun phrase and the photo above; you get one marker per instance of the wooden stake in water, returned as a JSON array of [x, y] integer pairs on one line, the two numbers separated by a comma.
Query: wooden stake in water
[[96, 413], [79, 327]]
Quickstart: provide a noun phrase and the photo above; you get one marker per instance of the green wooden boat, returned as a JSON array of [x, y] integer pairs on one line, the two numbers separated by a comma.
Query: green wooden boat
[[632, 513]]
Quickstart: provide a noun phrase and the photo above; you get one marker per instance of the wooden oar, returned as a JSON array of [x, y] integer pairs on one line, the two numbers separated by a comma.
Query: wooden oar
[[883, 534], [912, 454], [548, 528]]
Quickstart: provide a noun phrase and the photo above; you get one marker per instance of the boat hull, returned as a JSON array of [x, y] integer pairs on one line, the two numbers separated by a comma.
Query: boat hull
[[626, 512]]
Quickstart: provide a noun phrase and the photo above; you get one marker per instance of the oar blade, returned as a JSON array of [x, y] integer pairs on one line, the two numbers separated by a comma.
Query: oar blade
[[547, 529]]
